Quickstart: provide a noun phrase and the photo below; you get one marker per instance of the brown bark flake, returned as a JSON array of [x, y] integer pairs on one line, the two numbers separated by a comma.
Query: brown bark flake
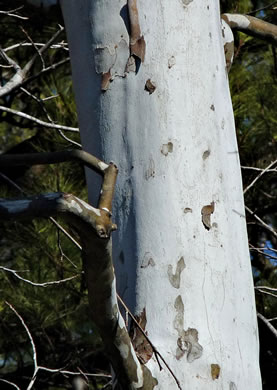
[[206, 215], [142, 347], [137, 42], [149, 86], [105, 82]]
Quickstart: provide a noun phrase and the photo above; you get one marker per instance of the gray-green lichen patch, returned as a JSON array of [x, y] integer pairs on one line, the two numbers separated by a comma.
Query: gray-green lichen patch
[[187, 342], [176, 278]]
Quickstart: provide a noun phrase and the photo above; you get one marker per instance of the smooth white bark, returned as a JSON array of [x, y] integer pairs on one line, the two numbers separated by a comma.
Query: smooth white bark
[[177, 153]]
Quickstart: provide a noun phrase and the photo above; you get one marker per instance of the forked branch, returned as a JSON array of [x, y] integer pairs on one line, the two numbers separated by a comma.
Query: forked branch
[[94, 227]]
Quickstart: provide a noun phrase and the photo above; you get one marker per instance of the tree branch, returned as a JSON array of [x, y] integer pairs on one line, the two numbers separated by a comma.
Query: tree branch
[[38, 121], [252, 26], [268, 324], [9, 160], [94, 227], [17, 80], [259, 176], [266, 226]]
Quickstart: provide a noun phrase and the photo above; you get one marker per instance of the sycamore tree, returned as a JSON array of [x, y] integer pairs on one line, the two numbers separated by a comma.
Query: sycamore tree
[[157, 128]]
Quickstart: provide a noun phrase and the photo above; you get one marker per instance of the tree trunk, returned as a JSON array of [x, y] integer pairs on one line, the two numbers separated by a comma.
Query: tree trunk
[[165, 118]]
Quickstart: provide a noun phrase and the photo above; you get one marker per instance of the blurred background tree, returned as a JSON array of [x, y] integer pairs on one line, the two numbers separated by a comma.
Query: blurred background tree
[[56, 314], [253, 84]]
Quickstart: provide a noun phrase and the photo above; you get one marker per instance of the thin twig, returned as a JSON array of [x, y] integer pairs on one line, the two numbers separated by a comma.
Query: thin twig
[[156, 352], [262, 9], [38, 121], [264, 253], [15, 273], [34, 46], [10, 160], [20, 76], [36, 367], [266, 288], [258, 169], [41, 103], [10, 383], [265, 292], [51, 218], [10, 13], [46, 70], [266, 226], [69, 140], [259, 176], [61, 45], [268, 324]]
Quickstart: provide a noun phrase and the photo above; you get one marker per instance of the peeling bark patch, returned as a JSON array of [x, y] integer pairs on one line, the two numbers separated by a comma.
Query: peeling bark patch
[[171, 62], [105, 82], [131, 65], [147, 261], [167, 148], [187, 210], [150, 172], [149, 86], [206, 215], [142, 347], [175, 278], [104, 59], [110, 62], [229, 54], [137, 42], [236, 20], [206, 154], [215, 371], [187, 341]]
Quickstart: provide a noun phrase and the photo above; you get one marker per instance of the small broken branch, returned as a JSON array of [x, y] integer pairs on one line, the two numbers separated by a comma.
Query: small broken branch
[[46, 284], [252, 26]]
